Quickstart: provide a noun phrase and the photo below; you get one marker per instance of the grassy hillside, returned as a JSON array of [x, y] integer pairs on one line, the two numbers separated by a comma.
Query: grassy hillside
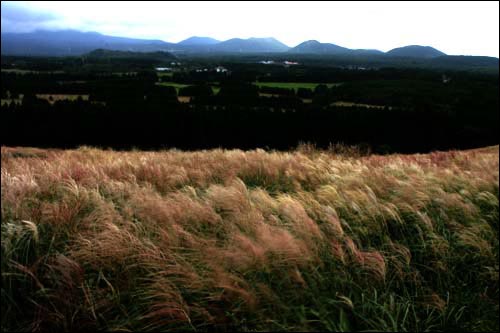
[[233, 240]]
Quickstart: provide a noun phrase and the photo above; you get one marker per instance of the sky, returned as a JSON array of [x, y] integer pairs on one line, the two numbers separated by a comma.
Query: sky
[[460, 28]]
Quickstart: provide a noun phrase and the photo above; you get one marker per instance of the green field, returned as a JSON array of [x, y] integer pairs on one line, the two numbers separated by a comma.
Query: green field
[[294, 85], [164, 74], [215, 89]]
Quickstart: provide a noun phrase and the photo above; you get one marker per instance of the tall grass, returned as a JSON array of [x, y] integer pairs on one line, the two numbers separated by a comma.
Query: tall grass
[[230, 240]]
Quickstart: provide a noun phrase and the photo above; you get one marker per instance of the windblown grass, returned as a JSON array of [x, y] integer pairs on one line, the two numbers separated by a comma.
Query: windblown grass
[[231, 240]]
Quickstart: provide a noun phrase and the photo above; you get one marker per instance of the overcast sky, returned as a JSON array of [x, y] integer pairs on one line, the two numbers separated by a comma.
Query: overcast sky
[[469, 28]]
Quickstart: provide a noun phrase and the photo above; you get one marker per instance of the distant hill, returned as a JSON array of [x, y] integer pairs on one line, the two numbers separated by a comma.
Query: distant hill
[[251, 45], [196, 44], [315, 47], [195, 40], [415, 51], [72, 42]]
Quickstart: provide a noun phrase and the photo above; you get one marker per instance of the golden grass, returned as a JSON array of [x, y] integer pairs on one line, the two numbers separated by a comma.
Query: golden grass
[[190, 237]]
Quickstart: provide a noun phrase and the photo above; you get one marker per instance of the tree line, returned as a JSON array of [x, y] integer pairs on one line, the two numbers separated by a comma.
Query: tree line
[[417, 111]]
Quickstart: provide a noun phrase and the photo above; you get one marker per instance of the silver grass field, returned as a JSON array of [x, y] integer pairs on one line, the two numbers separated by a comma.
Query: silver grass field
[[224, 240]]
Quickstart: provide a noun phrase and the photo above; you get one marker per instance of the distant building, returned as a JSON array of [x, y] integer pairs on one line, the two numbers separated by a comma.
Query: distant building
[[163, 69], [220, 69], [288, 63], [267, 62]]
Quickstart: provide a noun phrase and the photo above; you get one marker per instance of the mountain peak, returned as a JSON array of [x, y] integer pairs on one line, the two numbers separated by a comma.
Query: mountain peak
[[315, 47], [252, 44], [416, 51], [196, 40], [310, 42]]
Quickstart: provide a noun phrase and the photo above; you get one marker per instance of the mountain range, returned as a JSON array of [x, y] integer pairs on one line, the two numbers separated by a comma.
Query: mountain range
[[72, 42]]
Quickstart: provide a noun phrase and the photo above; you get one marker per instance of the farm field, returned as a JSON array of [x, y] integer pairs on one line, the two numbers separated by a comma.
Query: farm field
[[294, 85], [164, 74], [232, 240], [176, 85], [51, 98], [8, 101]]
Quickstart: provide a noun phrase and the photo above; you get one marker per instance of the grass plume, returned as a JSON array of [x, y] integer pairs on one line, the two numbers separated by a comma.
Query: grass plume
[[229, 240]]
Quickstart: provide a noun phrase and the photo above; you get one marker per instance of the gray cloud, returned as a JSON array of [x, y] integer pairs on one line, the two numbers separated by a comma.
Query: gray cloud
[[19, 18]]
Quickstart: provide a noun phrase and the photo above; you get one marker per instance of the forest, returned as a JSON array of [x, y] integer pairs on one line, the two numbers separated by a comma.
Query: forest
[[121, 100]]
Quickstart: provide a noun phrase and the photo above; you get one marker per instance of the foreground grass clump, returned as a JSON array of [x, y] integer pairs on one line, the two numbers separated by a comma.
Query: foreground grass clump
[[232, 240]]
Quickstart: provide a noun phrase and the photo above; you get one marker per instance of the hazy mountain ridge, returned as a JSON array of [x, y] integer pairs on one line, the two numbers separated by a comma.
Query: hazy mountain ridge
[[72, 42]]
